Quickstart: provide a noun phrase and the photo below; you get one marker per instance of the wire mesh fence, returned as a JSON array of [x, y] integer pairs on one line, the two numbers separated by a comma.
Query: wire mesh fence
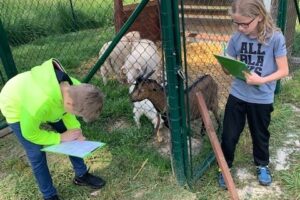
[[77, 32], [206, 30], [63, 29]]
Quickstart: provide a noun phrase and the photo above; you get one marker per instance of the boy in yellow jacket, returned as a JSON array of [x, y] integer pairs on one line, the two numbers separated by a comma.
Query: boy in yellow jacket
[[46, 94]]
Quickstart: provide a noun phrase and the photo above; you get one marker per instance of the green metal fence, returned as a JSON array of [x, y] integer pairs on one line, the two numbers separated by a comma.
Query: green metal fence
[[186, 34], [9, 69]]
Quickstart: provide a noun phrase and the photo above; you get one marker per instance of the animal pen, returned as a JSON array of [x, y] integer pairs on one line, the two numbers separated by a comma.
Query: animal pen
[[186, 34]]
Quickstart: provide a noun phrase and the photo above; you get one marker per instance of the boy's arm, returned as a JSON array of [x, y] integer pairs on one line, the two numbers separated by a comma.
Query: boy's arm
[[71, 121], [30, 128]]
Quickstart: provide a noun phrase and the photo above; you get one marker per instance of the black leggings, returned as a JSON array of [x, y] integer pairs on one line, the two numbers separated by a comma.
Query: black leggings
[[258, 117]]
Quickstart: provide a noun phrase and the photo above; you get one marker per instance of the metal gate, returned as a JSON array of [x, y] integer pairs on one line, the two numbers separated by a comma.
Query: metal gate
[[192, 31], [7, 65]]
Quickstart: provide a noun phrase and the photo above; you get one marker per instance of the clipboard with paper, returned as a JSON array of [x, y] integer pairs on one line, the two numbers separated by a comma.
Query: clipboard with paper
[[75, 148], [233, 66]]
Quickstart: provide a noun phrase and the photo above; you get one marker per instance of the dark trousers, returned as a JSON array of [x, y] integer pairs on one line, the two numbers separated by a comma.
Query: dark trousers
[[38, 160], [258, 117]]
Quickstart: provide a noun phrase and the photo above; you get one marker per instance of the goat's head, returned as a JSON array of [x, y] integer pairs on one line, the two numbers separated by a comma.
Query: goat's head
[[144, 88]]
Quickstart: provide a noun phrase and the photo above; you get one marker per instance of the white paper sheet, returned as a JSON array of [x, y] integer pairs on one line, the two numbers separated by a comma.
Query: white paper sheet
[[75, 148]]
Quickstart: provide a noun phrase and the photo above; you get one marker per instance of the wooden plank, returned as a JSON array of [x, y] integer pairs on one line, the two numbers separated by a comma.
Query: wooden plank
[[205, 7], [206, 17], [294, 60], [216, 146], [118, 15], [5, 131]]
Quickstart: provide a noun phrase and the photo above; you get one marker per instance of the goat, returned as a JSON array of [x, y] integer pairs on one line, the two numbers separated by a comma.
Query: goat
[[117, 57], [145, 107], [149, 89], [144, 58]]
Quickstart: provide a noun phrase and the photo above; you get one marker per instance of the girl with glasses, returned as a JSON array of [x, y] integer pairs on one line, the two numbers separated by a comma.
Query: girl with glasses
[[261, 45]]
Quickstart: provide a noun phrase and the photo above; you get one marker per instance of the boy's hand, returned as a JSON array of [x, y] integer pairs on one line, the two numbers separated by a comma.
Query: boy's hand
[[71, 135], [81, 138]]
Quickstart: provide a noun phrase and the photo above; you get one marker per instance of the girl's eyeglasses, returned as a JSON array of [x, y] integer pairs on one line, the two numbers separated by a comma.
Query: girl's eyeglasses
[[243, 25]]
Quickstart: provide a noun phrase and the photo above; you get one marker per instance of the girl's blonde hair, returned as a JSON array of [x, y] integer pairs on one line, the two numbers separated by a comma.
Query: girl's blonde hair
[[252, 9]]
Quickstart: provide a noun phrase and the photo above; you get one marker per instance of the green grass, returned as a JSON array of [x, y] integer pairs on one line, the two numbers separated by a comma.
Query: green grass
[[128, 147], [27, 20], [291, 179], [291, 91], [72, 49], [296, 44]]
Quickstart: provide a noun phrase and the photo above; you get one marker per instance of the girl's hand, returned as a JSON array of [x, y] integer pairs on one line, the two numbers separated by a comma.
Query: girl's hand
[[225, 71], [253, 79]]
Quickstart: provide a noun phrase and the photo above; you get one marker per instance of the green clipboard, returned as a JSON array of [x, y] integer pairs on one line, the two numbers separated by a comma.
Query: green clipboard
[[234, 67]]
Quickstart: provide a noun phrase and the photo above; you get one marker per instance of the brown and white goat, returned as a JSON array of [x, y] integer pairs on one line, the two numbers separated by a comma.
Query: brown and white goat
[[149, 89]]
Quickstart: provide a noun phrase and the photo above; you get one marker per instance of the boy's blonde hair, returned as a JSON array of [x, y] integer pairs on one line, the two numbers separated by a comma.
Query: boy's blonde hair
[[87, 101], [252, 9]]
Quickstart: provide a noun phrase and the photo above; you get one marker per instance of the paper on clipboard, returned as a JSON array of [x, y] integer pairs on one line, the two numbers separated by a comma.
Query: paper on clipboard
[[75, 148]]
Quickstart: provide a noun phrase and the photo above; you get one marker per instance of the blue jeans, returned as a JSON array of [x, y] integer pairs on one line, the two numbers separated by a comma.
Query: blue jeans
[[38, 160]]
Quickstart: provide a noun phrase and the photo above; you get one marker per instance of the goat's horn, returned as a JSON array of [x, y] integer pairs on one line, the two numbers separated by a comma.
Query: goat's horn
[[141, 77], [148, 75]]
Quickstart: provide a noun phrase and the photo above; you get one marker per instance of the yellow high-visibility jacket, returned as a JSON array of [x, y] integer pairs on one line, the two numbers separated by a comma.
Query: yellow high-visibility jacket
[[34, 97]]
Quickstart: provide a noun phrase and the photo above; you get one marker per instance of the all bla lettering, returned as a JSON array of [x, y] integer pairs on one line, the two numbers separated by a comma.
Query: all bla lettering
[[251, 61], [257, 70], [248, 48]]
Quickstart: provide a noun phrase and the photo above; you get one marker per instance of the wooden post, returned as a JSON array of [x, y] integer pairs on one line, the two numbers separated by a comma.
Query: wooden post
[[118, 5], [5, 132], [216, 146]]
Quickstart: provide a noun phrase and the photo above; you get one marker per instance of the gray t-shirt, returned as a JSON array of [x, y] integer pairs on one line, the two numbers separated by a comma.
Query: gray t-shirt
[[260, 59]]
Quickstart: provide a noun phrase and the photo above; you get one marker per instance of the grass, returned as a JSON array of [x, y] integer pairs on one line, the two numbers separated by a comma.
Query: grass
[[63, 47], [125, 153], [27, 20], [291, 180], [296, 45], [291, 92], [127, 147]]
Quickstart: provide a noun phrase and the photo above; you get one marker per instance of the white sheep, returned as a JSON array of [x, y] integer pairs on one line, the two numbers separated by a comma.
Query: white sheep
[[144, 58], [145, 107], [117, 57]]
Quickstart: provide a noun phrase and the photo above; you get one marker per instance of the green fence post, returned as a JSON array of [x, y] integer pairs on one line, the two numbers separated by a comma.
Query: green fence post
[[297, 9], [75, 24], [6, 55], [171, 46], [182, 94], [281, 22], [115, 41]]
